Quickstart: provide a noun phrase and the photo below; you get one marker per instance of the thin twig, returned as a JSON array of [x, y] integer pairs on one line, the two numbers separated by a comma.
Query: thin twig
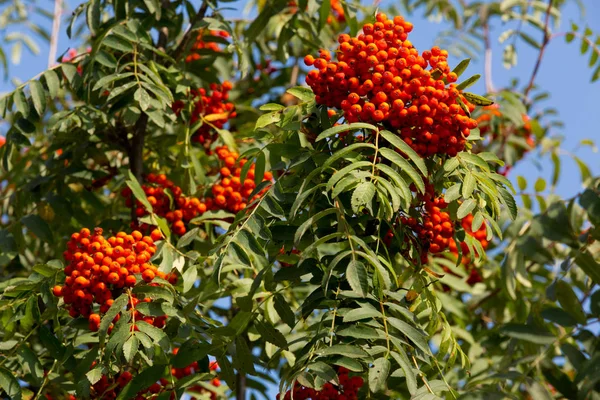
[[545, 42], [489, 85], [188, 34], [55, 32]]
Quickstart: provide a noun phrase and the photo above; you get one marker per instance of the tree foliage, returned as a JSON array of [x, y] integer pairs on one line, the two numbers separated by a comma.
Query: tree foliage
[[181, 215]]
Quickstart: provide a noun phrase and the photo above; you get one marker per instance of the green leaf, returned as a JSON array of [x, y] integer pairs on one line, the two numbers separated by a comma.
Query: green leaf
[[467, 83], [271, 107], [356, 275], [461, 67], [190, 351], [361, 313], [243, 359], [344, 152], [270, 334], [284, 311], [324, 12], [157, 335], [468, 185], [586, 262], [267, 119], [465, 208], [10, 384], [21, 103], [415, 335], [31, 363], [38, 96], [359, 332], [141, 381], [509, 201], [52, 82], [343, 350], [105, 58], [143, 98], [130, 348], [36, 225], [303, 93], [409, 374], [227, 372], [93, 14], [117, 43], [138, 192], [336, 177], [453, 192], [569, 301], [112, 312], [477, 99], [310, 222], [344, 128], [521, 182], [404, 167], [362, 196], [378, 374], [540, 185], [401, 145], [528, 333]]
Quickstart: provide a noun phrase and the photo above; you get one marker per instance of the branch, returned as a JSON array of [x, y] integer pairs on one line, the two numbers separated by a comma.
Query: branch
[[545, 42], [163, 34], [55, 32], [188, 34], [240, 393], [489, 85]]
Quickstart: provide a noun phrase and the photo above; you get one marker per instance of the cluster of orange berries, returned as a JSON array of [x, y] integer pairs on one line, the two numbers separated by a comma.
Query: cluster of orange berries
[[212, 107], [229, 192], [436, 229], [108, 388], [347, 389], [201, 44], [177, 214], [100, 268], [381, 78]]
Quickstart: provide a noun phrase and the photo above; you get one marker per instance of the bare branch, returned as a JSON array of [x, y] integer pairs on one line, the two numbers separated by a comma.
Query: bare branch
[[55, 32], [545, 42]]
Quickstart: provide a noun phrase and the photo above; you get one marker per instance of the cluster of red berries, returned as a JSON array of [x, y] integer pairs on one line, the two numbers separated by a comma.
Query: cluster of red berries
[[201, 44], [436, 229], [229, 192], [480, 235], [100, 268], [181, 211], [337, 12], [381, 78], [213, 108], [347, 389]]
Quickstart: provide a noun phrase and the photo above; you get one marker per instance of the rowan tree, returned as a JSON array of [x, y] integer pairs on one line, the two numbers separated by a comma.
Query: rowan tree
[[214, 207]]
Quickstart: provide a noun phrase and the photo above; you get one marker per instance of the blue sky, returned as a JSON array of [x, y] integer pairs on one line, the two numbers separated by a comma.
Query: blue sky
[[564, 73]]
